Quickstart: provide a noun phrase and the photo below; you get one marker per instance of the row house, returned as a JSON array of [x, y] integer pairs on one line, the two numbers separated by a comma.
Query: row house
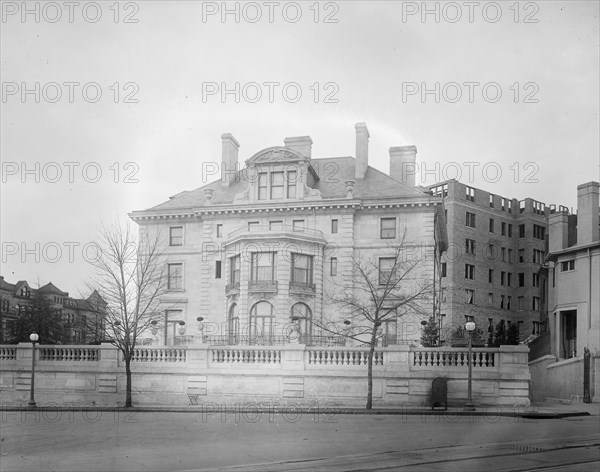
[[263, 248], [64, 319]]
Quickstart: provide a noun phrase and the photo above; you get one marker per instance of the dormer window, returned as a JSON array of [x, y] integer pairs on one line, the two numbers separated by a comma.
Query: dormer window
[[277, 185]]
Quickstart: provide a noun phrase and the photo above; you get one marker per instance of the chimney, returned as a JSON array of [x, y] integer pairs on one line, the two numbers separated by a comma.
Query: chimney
[[229, 159], [587, 213], [362, 150], [558, 227], [403, 166], [301, 144]]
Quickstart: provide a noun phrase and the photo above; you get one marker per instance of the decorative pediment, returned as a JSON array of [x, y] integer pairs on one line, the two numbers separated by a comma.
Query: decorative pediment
[[276, 154]]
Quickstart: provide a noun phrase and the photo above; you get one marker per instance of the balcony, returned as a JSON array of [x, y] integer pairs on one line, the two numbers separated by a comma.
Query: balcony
[[231, 289], [302, 288], [265, 286], [276, 231]]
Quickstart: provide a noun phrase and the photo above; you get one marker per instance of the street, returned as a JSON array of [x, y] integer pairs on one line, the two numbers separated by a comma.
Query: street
[[253, 441]]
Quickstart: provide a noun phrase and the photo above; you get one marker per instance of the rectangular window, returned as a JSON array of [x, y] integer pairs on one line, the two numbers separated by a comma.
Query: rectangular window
[[443, 269], [263, 185], [509, 279], [502, 301], [521, 255], [470, 246], [469, 271], [291, 184], [333, 266], [491, 251], [521, 303], [490, 299], [470, 219], [539, 232], [440, 191], [503, 204], [219, 230], [302, 269], [491, 225], [521, 279], [469, 296], [508, 300], [510, 231], [217, 269], [503, 254], [491, 200], [521, 231], [253, 225], [538, 256], [176, 236], [298, 225], [491, 276], [566, 266], [388, 228], [470, 194], [502, 278], [386, 270], [503, 228], [536, 303], [234, 270], [536, 280], [277, 185], [175, 276], [510, 256], [334, 226], [262, 266]]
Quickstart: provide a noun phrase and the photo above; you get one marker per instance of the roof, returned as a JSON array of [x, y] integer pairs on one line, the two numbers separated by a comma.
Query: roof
[[51, 288], [332, 172]]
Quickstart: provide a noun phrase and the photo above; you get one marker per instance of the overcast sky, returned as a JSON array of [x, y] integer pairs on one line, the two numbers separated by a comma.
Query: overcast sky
[[512, 95]]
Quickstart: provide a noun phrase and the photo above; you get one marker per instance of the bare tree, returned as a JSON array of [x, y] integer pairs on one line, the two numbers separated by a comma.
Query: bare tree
[[380, 290], [130, 278]]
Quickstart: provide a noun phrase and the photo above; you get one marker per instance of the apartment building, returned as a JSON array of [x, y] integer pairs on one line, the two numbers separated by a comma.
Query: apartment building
[[496, 248], [266, 245]]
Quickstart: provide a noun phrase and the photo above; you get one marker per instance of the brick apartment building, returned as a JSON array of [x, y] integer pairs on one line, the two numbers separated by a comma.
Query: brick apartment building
[[496, 250]]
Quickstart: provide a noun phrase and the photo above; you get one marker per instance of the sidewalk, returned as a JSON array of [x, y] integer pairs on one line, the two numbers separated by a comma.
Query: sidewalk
[[540, 410]]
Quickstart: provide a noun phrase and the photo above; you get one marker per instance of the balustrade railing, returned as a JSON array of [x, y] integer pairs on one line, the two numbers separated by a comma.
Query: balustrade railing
[[69, 354], [8, 353], [317, 356], [159, 355], [262, 286], [458, 358], [246, 356], [275, 228]]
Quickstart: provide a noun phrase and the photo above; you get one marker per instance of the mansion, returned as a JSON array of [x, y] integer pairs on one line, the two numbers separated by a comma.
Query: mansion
[[270, 242]]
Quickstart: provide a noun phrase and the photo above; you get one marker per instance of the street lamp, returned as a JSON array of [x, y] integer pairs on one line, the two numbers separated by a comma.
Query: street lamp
[[34, 338], [470, 327]]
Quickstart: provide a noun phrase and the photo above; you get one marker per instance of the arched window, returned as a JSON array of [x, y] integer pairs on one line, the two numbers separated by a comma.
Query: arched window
[[234, 324], [302, 316], [262, 316]]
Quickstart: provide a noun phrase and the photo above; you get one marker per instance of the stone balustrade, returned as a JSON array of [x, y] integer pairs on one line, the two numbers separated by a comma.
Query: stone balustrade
[[165, 375]]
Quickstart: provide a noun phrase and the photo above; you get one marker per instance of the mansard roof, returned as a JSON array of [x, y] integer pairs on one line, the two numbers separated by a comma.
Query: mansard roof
[[332, 173]]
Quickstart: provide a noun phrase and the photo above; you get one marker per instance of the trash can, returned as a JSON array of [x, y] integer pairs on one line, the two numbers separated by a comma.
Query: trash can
[[439, 393]]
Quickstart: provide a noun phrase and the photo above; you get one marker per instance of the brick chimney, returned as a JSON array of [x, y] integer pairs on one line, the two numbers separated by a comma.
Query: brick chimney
[[301, 144], [587, 213], [229, 159], [403, 164], [558, 227], [362, 150]]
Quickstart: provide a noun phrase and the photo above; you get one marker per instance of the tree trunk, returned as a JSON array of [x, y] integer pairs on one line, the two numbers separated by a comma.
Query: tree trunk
[[370, 368], [128, 388]]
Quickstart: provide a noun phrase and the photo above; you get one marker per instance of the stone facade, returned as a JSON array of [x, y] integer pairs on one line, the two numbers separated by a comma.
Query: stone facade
[[269, 243], [293, 375]]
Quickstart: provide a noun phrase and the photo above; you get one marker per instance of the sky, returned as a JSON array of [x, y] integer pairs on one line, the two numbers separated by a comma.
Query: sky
[[111, 107]]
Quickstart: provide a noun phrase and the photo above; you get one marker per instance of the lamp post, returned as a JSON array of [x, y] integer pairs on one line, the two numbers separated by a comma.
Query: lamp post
[[33, 337], [470, 327]]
